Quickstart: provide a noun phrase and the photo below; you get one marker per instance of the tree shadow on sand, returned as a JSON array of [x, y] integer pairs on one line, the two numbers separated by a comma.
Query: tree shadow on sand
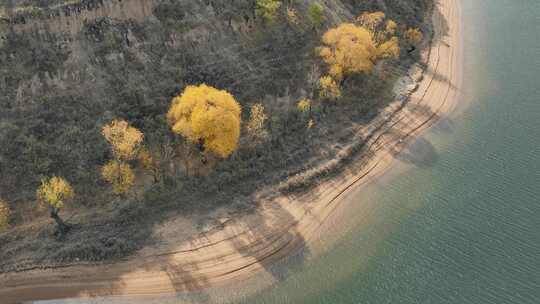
[[419, 152], [443, 124], [439, 77], [183, 281], [275, 238]]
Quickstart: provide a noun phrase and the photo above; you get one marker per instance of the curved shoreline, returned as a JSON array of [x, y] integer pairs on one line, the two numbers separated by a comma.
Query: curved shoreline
[[280, 227]]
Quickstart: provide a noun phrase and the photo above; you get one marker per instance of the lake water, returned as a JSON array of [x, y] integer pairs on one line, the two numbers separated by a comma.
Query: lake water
[[464, 227]]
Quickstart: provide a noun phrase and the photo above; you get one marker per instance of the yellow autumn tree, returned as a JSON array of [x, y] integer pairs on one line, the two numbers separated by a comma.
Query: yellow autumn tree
[[125, 141], [255, 125], [5, 213], [120, 175], [126, 144], [329, 88], [350, 49], [53, 193], [207, 117]]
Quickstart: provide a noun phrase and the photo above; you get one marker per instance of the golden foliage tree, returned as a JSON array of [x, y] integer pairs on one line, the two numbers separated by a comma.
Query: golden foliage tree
[[207, 117], [53, 193], [5, 213], [120, 175], [126, 141], [329, 88], [126, 144], [349, 48], [255, 126]]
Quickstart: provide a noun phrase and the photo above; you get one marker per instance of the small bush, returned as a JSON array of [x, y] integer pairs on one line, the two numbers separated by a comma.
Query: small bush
[[316, 14], [268, 9]]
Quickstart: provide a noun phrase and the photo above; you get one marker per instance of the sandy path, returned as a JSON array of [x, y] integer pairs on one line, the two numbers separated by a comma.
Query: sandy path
[[281, 227]]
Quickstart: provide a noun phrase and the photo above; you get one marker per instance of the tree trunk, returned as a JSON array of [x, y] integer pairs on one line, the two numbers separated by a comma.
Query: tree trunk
[[63, 228], [202, 157]]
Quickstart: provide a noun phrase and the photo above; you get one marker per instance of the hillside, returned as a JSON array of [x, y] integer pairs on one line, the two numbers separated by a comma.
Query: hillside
[[70, 67]]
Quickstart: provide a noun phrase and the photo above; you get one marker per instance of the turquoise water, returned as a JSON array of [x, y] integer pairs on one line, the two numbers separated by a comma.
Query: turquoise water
[[465, 226]]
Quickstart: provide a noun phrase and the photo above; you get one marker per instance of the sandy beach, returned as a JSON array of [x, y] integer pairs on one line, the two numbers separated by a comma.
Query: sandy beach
[[281, 227]]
